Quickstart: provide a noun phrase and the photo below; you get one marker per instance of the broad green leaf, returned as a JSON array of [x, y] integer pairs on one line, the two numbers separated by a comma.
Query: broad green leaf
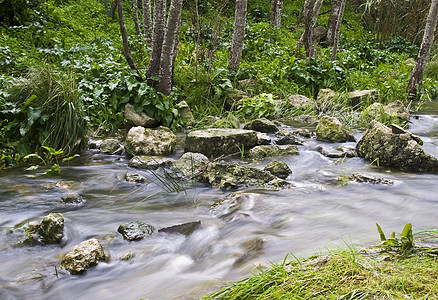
[[382, 235], [407, 231]]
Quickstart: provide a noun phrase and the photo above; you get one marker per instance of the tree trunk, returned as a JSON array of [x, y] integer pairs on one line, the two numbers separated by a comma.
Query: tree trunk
[[169, 48], [147, 21], [429, 31], [308, 29], [331, 25], [157, 38], [338, 29], [135, 11], [124, 34], [238, 35], [276, 11], [315, 14]]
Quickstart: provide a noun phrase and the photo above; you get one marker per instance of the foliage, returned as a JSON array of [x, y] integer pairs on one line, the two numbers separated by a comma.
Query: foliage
[[263, 105], [403, 246]]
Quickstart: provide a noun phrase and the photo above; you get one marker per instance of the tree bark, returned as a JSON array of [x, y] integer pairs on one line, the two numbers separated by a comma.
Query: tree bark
[[331, 25], [423, 55], [169, 48], [135, 11], [308, 29], [276, 11], [315, 14], [338, 29], [157, 38], [124, 34], [238, 35], [147, 21]]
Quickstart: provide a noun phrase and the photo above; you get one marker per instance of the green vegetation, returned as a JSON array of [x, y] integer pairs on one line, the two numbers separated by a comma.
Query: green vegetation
[[73, 49], [348, 274]]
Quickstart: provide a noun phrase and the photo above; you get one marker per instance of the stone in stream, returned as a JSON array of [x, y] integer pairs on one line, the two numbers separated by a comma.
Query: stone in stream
[[261, 125], [300, 101], [149, 162], [390, 149], [134, 231], [139, 119], [390, 113], [359, 96], [73, 199], [185, 229], [330, 129], [279, 169], [263, 139], [52, 228], [364, 178], [303, 132], [85, 255], [336, 152], [234, 176], [134, 177], [146, 141], [215, 142], [264, 151], [285, 137], [111, 146], [190, 163]]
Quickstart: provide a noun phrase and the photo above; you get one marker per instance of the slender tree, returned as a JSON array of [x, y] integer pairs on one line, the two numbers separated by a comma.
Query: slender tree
[[337, 30], [276, 11], [308, 29], [157, 38], [147, 21], [238, 34], [315, 14], [135, 11], [333, 19], [423, 55]]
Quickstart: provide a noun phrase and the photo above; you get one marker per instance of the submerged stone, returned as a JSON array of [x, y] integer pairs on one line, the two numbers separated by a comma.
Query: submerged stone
[[395, 150], [137, 230], [279, 169], [263, 151], [73, 199], [330, 129], [215, 142], [261, 125], [369, 179], [85, 255], [111, 146], [134, 177], [185, 229], [190, 163], [285, 137], [146, 141], [52, 228], [149, 162]]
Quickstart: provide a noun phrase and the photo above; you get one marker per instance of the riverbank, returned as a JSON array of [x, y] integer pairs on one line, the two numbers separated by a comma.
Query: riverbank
[[341, 274]]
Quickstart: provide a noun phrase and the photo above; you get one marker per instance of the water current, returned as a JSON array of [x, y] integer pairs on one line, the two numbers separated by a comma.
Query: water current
[[316, 214]]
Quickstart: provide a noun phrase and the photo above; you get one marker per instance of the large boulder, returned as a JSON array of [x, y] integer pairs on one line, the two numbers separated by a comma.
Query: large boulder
[[215, 142], [134, 231], [264, 151], [391, 149], [189, 163], [146, 141], [300, 101], [330, 129], [111, 146], [279, 169], [234, 176], [261, 125], [139, 119], [52, 228], [85, 255]]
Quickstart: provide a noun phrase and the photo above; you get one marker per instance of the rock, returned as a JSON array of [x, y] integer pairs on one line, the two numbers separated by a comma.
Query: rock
[[361, 96], [139, 119], [394, 150], [134, 177], [215, 142], [394, 112], [399, 130], [73, 199], [190, 163], [263, 151], [303, 132], [233, 98], [68, 184], [185, 112], [25, 235], [325, 95], [251, 248], [145, 141], [319, 33], [232, 203], [234, 176], [338, 152], [52, 228], [331, 129], [263, 139], [185, 229], [85, 255], [111, 146], [261, 125], [279, 169], [285, 137], [94, 144], [369, 179], [149, 162], [134, 231], [300, 101]]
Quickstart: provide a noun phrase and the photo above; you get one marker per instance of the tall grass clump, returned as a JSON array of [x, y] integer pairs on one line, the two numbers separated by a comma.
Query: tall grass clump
[[43, 109]]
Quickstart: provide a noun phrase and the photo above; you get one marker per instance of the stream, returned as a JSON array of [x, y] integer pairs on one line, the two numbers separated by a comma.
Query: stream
[[316, 214]]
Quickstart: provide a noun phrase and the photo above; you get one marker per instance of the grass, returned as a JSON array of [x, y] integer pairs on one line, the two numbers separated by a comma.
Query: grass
[[342, 274]]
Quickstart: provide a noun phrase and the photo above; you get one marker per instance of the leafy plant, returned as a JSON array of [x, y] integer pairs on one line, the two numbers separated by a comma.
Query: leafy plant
[[263, 105], [403, 246]]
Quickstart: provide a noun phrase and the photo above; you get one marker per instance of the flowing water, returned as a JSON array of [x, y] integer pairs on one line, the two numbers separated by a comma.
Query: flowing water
[[316, 214]]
